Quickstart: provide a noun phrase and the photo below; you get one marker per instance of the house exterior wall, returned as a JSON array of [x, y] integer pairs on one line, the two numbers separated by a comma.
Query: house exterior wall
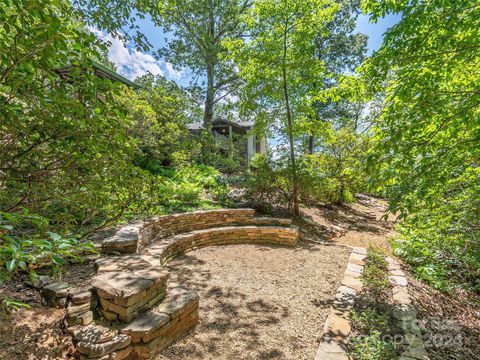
[[251, 147], [255, 146]]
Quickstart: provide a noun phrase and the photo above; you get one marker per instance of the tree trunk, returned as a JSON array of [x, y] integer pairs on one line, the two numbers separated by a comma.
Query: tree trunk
[[296, 210], [208, 113], [311, 141], [210, 57]]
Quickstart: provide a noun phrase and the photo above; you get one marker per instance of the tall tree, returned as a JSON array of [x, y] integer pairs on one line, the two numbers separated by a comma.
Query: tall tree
[[198, 28], [342, 50], [280, 67]]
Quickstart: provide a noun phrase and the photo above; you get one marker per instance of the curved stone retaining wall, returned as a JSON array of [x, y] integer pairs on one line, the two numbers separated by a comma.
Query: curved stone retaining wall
[[168, 249], [169, 225], [137, 236]]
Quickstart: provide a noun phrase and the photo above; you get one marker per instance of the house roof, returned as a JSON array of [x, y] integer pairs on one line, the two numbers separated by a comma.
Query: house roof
[[105, 73], [102, 72]]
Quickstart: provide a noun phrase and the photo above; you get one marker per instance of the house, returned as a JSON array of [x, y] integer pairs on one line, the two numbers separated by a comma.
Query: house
[[229, 134], [102, 72]]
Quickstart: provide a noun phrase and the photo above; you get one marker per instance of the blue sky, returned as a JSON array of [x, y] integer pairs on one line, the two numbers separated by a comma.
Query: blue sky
[[132, 63]]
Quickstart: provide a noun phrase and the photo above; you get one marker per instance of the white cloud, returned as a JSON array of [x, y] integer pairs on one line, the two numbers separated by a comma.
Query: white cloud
[[174, 74], [132, 63]]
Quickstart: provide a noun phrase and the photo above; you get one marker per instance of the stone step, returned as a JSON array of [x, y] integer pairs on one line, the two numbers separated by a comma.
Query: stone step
[[169, 248], [128, 263], [156, 329], [99, 342], [125, 239], [123, 295]]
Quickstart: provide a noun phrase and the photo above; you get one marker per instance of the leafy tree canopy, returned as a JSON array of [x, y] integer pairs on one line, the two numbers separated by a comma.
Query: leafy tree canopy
[[428, 136]]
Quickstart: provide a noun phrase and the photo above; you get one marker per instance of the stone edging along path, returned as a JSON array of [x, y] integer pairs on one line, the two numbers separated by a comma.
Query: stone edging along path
[[337, 325], [133, 288], [406, 314]]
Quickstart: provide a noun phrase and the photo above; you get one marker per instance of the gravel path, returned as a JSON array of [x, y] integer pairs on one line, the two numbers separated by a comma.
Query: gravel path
[[258, 302]]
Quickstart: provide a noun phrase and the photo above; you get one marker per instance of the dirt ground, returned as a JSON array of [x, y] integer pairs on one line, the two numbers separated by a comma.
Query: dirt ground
[[362, 223], [36, 333], [258, 302]]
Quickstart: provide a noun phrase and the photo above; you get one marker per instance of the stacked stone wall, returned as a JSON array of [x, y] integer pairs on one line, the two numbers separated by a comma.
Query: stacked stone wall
[[168, 249], [169, 225]]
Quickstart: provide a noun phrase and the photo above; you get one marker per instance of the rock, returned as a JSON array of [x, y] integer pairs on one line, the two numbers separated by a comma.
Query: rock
[[354, 268], [400, 295], [118, 355], [41, 281], [177, 300], [108, 315], [397, 273], [83, 319], [73, 329], [330, 349], [337, 231], [125, 240], [127, 293], [417, 353], [79, 295], [359, 250], [146, 324], [96, 334], [53, 293], [124, 263], [352, 282], [398, 280], [75, 310], [354, 274], [405, 313], [127, 288], [392, 264], [345, 296], [93, 350], [358, 257], [165, 335], [336, 325]]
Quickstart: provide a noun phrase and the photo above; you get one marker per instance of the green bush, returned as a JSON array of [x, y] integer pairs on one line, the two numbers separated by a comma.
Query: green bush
[[332, 175], [337, 172], [370, 319], [187, 188], [372, 347], [268, 182], [375, 275], [26, 244], [440, 237]]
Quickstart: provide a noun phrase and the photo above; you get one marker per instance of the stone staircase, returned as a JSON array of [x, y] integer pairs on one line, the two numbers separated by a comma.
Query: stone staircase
[[141, 313]]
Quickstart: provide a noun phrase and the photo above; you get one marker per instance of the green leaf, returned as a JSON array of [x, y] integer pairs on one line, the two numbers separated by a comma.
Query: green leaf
[[11, 265], [58, 260], [54, 236]]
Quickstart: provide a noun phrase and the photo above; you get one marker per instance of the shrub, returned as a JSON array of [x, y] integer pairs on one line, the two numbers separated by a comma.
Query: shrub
[[26, 244], [186, 188], [372, 347], [268, 183], [375, 275]]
